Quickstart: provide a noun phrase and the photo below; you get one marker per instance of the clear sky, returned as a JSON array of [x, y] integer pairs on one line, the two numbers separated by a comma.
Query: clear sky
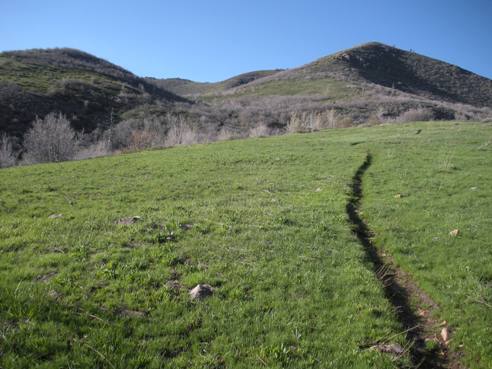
[[210, 40]]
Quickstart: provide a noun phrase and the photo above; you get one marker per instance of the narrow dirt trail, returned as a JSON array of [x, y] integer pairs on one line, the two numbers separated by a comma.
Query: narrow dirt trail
[[399, 289]]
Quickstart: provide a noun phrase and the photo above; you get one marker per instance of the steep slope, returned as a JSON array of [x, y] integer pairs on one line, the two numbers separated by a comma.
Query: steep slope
[[414, 73], [386, 66], [91, 91], [372, 82]]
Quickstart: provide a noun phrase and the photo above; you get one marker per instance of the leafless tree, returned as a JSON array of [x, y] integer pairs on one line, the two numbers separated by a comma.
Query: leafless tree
[[416, 115], [7, 156], [181, 133], [50, 139]]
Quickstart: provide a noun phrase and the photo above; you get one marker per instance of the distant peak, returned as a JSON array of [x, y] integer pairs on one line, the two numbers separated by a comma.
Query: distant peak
[[373, 45]]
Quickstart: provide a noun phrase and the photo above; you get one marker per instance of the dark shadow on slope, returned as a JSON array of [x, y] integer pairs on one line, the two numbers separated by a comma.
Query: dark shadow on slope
[[396, 294]]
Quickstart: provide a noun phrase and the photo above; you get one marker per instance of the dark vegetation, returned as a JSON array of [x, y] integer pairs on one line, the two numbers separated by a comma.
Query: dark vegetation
[[90, 91]]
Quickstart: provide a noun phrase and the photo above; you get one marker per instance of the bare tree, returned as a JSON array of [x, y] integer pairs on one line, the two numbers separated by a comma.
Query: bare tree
[[181, 134], [260, 131], [416, 115], [7, 156], [50, 139], [101, 147]]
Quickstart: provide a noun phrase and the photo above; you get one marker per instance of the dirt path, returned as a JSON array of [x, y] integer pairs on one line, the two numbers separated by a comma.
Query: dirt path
[[399, 289]]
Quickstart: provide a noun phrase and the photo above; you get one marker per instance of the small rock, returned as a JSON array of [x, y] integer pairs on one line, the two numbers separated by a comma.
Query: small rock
[[54, 294], [55, 216], [454, 232], [173, 285], [46, 277], [318, 190], [473, 188], [445, 334], [389, 348], [129, 220], [201, 291]]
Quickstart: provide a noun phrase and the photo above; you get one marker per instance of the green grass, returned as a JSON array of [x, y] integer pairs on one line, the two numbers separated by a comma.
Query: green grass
[[329, 88], [269, 232], [47, 79], [325, 87], [444, 176]]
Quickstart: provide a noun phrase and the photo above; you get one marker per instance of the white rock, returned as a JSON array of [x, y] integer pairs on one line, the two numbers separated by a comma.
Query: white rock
[[201, 291]]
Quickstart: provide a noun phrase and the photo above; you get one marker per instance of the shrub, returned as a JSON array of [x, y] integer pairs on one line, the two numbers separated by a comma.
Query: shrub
[[181, 134], [416, 115], [331, 119], [99, 148], [225, 134], [141, 139], [7, 156], [298, 123], [314, 121], [50, 139], [170, 130], [120, 135], [260, 131], [345, 122]]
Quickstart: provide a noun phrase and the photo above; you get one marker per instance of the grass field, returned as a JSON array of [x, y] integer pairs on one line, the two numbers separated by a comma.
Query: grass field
[[419, 190], [263, 221]]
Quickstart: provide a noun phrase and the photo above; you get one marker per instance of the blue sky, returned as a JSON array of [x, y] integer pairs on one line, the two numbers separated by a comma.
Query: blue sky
[[209, 40]]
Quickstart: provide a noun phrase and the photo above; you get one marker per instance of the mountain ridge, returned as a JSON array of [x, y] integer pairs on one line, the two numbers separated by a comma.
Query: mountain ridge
[[359, 83]]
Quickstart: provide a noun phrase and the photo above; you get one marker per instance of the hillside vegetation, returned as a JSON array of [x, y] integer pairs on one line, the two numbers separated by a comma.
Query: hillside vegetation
[[99, 256], [390, 67], [185, 87], [91, 91], [370, 83]]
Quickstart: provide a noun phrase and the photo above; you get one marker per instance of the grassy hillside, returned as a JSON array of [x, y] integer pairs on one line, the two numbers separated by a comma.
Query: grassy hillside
[[418, 191], [263, 222], [89, 90]]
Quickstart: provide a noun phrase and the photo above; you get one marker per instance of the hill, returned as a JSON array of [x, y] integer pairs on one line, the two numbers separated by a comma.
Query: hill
[[185, 87], [90, 91], [383, 65], [371, 81], [98, 256]]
